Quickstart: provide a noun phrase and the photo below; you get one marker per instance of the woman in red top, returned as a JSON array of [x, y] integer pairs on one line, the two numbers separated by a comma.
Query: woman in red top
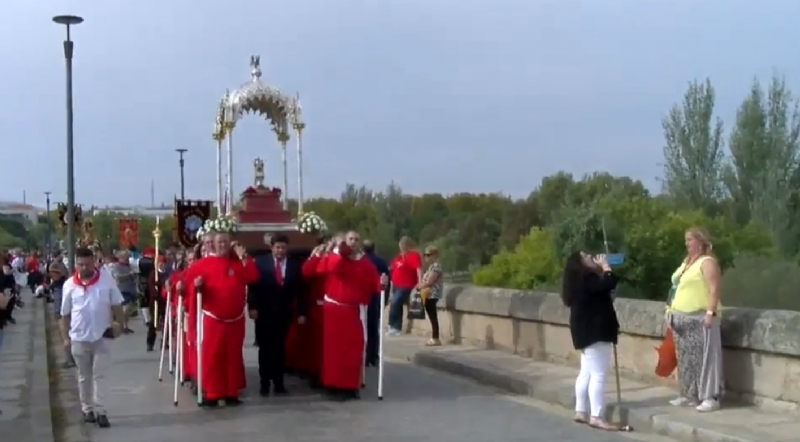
[[406, 273]]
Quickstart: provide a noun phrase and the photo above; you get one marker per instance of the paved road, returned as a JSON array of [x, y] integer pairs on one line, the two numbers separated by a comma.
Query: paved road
[[420, 405]]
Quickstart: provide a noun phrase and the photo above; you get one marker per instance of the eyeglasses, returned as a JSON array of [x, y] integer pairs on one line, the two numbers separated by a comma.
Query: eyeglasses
[[428, 255]]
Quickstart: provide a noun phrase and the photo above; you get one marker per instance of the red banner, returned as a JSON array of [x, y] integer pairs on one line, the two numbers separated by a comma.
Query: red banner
[[189, 217], [128, 232]]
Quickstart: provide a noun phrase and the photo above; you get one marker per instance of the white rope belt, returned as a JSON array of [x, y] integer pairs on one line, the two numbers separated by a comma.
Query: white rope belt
[[207, 313], [335, 302]]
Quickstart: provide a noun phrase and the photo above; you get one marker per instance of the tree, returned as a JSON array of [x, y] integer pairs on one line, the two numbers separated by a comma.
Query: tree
[[693, 150], [765, 155]]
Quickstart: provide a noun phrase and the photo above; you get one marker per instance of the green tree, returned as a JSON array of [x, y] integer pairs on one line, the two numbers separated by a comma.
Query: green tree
[[693, 150]]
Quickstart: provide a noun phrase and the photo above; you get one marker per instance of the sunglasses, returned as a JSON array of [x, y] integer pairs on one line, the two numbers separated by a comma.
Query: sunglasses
[[428, 255]]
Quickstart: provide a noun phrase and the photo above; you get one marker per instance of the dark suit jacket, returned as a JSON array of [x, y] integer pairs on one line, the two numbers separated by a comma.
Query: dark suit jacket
[[592, 317], [272, 299]]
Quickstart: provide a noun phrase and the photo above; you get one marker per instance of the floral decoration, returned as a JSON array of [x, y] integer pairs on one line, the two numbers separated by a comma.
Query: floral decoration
[[312, 223]]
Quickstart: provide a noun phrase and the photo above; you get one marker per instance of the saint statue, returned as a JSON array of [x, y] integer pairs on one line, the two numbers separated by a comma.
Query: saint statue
[[258, 168]]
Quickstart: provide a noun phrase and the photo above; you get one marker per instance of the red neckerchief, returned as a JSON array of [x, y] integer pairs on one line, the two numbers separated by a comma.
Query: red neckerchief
[[93, 280]]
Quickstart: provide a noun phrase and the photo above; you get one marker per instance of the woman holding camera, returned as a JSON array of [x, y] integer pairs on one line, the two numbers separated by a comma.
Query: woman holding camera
[[586, 289]]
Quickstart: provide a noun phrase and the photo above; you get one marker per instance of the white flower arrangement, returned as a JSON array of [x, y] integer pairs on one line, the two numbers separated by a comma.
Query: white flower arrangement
[[222, 224], [312, 223]]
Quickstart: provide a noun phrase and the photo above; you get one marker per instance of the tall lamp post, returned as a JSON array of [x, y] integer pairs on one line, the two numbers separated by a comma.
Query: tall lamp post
[[180, 161], [47, 232], [68, 21]]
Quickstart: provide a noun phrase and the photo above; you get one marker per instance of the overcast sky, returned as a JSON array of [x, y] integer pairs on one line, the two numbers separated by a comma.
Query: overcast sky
[[438, 95]]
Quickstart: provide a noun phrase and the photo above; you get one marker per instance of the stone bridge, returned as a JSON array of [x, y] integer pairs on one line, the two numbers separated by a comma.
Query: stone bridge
[[514, 343]]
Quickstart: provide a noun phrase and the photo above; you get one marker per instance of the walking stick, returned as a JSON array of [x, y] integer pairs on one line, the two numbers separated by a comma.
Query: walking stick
[[164, 340], [616, 358], [199, 343], [381, 332], [178, 344], [362, 313]]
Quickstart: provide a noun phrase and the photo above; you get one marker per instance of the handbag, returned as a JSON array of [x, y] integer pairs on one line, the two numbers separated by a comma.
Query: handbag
[[667, 357], [416, 308]]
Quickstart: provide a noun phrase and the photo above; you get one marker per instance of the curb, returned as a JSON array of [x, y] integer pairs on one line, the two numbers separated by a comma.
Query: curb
[[643, 420], [41, 412]]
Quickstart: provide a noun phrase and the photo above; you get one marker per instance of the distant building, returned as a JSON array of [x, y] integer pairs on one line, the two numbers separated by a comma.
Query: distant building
[[136, 211], [20, 212]]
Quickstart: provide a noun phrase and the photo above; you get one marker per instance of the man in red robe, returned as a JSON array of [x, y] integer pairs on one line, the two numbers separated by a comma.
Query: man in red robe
[[315, 294], [221, 280], [351, 279]]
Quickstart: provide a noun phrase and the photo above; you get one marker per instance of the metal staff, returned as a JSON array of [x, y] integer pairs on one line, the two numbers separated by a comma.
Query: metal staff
[[164, 338], [178, 380], [199, 326], [616, 358], [156, 236], [380, 342]]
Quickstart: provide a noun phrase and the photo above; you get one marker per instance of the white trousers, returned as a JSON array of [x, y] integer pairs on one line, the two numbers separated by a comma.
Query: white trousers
[[91, 359], [590, 384]]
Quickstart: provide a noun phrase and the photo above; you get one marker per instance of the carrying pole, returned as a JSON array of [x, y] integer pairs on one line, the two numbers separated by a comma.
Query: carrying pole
[[381, 333]]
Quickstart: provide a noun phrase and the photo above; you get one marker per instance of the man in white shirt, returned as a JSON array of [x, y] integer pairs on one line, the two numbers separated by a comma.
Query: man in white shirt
[[90, 298]]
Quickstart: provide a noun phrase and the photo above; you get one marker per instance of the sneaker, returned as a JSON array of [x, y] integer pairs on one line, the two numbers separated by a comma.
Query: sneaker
[[394, 332], [708, 405], [682, 401], [102, 421]]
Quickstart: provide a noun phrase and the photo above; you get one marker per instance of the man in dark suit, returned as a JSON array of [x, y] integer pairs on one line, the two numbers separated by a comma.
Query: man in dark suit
[[270, 303], [374, 308]]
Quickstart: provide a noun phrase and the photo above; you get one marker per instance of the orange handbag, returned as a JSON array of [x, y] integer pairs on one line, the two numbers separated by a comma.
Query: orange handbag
[[667, 357]]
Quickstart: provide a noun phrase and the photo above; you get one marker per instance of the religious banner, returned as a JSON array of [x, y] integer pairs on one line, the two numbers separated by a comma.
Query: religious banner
[[189, 218], [128, 232]]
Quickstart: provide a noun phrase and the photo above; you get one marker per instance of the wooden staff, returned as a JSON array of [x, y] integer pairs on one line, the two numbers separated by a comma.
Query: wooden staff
[[199, 325]]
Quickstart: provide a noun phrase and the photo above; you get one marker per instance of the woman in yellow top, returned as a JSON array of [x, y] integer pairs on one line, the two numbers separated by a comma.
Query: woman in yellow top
[[692, 314]]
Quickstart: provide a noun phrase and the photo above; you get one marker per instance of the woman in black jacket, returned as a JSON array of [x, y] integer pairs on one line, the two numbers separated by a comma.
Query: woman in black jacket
[[8, 285], [586, 290]]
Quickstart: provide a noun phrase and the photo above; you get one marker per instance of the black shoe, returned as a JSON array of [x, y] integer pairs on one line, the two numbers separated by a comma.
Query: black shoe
[[280, 390], [127, 331], [68, 364], [89, 418], [233, 402], [264, 391], [11, 320], [336, 396], [208, 403], [149, 348], [102, 421]]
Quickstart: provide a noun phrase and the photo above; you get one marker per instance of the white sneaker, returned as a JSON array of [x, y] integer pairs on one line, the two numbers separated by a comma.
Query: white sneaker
[[393, 332], [708, 405], [682, 401]]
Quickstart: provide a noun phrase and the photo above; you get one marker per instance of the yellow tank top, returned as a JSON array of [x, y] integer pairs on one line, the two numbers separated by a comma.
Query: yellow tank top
[[691, 290]]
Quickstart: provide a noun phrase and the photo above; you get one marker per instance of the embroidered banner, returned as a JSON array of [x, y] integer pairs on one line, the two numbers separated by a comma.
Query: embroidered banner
[[128, 232], [189, 218]]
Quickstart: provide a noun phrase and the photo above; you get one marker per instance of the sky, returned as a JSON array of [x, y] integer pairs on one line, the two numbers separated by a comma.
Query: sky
[[437, 95]]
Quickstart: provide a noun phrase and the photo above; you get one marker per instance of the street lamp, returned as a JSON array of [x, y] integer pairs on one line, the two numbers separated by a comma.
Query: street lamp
[[68, 21], [180, 161], [47, 233]]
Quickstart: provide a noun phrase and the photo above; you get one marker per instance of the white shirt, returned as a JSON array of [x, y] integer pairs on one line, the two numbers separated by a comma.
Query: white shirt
[[90, 307]]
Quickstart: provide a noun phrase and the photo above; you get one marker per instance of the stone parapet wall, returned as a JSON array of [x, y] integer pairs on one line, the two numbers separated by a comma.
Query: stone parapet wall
[[762, 347]]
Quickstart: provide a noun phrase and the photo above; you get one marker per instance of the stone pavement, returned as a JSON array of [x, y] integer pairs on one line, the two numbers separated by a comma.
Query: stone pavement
[[24, 383], [643, 406], [419, 405]]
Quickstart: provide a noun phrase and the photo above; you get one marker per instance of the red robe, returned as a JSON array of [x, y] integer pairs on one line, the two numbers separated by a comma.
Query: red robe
[[224, 296], [349, 284], [314, 314]]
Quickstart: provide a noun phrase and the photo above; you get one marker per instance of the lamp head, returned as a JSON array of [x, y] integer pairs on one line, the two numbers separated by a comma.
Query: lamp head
[[68, 20]]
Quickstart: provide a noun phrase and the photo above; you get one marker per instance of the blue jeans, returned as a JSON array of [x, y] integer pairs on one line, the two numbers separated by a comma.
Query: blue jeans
[[399, 298]]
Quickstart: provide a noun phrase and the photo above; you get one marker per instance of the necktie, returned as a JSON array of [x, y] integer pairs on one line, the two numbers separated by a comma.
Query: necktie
[[278, 272]]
